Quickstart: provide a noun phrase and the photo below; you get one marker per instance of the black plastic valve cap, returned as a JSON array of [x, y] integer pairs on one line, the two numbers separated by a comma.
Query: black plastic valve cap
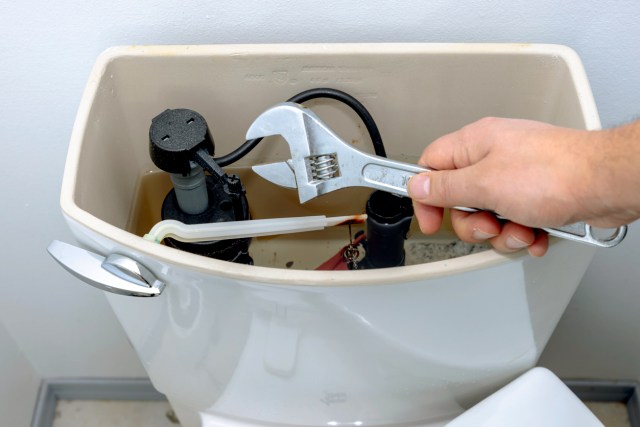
[[174, 138]]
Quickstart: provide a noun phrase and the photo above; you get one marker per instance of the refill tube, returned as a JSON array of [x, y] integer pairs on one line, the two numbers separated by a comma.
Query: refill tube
[[241, 229]]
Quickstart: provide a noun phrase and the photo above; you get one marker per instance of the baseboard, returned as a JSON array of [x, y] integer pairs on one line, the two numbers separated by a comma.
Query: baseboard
[[53, 390]]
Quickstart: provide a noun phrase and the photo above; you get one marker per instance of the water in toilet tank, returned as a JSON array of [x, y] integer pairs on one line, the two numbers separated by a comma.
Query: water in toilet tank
[[301, 250]]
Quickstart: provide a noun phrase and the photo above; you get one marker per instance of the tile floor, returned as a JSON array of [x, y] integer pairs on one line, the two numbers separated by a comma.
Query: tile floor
[[82, 413], [611, 414], [109, 413]]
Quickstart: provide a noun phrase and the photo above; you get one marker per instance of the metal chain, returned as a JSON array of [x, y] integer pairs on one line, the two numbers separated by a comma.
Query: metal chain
[[351, 253]]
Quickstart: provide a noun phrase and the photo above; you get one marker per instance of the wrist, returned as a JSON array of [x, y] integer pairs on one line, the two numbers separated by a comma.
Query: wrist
[[616, 174]]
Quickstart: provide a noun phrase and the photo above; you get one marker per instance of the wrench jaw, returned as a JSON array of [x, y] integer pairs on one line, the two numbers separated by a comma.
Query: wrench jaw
[[285, 119], [300, 126]]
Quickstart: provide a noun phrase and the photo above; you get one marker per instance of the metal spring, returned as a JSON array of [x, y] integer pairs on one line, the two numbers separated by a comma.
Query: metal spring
[[324, 167]]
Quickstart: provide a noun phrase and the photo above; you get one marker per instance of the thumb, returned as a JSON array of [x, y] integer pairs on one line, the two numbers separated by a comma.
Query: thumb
[[446, 188]]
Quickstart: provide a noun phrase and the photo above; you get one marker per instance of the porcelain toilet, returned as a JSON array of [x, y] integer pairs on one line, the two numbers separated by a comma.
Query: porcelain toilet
[[278, 343]]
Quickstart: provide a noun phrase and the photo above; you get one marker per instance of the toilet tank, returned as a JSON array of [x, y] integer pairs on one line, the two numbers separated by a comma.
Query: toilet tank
[[279, 343]]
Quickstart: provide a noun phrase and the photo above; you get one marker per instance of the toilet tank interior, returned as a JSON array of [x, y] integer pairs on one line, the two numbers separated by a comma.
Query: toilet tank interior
[[415, 93]]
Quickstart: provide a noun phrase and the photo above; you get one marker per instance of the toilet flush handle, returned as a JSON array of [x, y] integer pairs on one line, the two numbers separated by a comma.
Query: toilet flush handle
[[117, 274]]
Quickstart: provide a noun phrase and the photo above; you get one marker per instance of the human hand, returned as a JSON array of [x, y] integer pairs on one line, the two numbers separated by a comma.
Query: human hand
[[535, 174]]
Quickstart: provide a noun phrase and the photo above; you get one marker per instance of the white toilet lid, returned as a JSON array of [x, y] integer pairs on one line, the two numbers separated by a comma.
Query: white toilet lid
[[537, 398]]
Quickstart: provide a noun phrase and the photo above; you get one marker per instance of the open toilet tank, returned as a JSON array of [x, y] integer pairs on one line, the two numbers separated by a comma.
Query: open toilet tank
[[278, 343]]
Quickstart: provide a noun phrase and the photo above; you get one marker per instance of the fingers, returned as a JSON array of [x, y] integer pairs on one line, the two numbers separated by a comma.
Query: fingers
[[508, 237], [450, 188], [483, 226], [513, 238], [470, 168], [540, 245], [429, 217], [475, 227], [461, 148]]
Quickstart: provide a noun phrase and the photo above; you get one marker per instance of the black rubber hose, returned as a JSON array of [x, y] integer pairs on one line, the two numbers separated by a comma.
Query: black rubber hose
[[308, 95], [352, 102]]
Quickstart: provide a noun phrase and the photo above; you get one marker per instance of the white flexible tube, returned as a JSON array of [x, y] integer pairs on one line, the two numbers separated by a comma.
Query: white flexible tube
[[240, 229]]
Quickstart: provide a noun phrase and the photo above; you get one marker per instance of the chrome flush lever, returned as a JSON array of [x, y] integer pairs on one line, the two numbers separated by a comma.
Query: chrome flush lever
[[117, 274]]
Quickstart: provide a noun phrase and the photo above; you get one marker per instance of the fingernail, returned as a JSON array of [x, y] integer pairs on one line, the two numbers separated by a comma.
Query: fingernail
[[515, 243], [419, 186], [481, 235]]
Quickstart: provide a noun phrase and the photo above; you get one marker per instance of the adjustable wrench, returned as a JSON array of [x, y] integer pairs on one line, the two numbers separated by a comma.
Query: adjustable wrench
[[321, 162]]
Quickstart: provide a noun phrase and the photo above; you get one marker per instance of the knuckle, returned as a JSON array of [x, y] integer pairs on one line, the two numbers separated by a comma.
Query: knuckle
[[489, 121], [489, 125]]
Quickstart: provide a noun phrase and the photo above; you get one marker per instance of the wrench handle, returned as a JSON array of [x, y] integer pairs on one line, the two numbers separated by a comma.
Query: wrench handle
[[394, 176], [578, 232], [390, 176]]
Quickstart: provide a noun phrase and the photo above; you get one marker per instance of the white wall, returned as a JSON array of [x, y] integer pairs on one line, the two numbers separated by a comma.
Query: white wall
[[66, 328], [19, 383]]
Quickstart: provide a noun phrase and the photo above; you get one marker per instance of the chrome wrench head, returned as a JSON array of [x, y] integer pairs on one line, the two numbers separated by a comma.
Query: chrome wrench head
[[320, 161], [314, 150]]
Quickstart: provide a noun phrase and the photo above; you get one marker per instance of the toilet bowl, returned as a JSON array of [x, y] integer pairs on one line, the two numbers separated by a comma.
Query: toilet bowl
[[278, 343]]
